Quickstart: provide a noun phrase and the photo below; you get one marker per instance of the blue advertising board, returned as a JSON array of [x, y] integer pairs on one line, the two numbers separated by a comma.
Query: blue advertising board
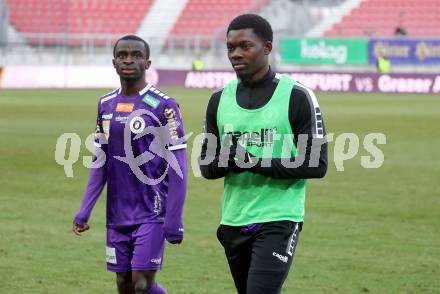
[[405, 50]]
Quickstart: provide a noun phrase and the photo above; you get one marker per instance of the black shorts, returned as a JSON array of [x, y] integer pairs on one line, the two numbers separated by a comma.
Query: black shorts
[[260, 261]]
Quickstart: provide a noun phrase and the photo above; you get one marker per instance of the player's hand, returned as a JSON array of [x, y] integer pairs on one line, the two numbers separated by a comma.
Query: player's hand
[[175, 241], [173, 235], [80, 228], [242, 160]]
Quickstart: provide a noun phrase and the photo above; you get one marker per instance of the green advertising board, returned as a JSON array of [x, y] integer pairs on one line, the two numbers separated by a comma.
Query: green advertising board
[[324, 51]]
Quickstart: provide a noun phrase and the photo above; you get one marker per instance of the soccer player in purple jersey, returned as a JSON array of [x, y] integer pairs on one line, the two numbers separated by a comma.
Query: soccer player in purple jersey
[[141, 155]]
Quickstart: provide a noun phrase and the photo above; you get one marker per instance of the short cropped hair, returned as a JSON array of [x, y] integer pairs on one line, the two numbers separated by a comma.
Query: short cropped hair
[[261, 26], [134, 38]]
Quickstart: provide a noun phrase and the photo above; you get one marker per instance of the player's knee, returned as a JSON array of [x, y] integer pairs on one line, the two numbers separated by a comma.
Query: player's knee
[[123, 280], [265, 283], [143, 281], [141, 287]]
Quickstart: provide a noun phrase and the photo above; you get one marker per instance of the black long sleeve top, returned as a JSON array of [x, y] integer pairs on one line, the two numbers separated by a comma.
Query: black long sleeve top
[[305, 119]]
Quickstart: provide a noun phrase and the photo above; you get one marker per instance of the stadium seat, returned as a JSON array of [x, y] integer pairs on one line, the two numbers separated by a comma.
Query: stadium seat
[[75, 18], [206, 18], [377, 17]]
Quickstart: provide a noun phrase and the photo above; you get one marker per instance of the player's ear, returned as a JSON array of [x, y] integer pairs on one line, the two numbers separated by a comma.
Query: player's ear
[[147, 64], [267, 47]]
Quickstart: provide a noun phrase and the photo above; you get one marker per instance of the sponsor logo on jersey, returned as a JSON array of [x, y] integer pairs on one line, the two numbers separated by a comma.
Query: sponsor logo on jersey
[[170, 115], [107, 116], [265, 137], [124, 107], [110, 255], [150, 100], [156, 260], [280, 257], [121, 119], [157, 204], [137, 125]]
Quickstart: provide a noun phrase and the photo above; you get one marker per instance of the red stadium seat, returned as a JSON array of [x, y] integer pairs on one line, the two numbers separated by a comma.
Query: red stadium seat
[[207, 17], [78, 17], [418, 17]]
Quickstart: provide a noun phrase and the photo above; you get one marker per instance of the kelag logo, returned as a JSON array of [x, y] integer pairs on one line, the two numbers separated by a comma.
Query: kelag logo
[[324, 51]]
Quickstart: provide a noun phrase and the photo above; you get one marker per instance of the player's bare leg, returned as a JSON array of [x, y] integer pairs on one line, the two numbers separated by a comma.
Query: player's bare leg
[[124, 283], [144, 283]]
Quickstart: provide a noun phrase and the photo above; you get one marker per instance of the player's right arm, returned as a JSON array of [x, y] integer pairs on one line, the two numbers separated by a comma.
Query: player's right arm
[[96, 183], [306, 121], [214, 162]]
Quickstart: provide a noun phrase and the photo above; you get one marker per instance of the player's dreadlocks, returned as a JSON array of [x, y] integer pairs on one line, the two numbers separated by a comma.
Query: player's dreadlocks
[[135, 38], [260, 25]]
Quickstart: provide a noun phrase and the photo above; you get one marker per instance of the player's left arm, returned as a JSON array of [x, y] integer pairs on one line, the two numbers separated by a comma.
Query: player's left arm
[[177, 172], [308, 129], [97, 180], [173, 225]]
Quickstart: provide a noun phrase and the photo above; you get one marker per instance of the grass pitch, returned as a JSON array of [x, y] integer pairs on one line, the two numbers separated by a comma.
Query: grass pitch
[[366, 230]]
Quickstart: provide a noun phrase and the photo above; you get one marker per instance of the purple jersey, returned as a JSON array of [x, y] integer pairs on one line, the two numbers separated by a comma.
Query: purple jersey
[[137, 135]]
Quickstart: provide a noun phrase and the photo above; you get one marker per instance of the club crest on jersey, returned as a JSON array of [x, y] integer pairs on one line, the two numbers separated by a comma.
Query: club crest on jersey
[[106, 128], [157, 148], [137, 125]]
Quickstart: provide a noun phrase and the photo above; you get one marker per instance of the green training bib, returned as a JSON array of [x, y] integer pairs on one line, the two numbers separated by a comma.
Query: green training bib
[[266, 133]]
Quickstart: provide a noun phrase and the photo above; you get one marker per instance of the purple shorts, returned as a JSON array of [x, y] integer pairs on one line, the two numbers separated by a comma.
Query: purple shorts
[[137, 248]]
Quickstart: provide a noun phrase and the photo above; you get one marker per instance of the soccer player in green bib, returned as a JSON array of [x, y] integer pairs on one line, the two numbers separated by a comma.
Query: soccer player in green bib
[[264, 134]]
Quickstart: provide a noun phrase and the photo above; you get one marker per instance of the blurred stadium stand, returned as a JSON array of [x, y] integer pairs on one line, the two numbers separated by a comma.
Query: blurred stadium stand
[[52, 22], [206, 18], [380, 18], [83, 31]]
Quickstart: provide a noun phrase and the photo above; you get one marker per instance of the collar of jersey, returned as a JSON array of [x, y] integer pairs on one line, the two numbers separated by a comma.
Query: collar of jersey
[[268, 76], [140, 93]]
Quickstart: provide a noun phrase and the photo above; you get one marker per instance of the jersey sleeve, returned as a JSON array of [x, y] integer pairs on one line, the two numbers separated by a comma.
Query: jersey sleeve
[[212, 166], [171, 119], [97, 177], [99, 131], [100, 141], [174, 135], [308, 127]]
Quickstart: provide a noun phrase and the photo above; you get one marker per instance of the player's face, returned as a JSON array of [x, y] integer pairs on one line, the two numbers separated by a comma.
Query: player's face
[[247, 53], [131, 60]]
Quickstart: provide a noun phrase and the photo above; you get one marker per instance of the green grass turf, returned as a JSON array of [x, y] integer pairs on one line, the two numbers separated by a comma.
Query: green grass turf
[[366, 230]]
